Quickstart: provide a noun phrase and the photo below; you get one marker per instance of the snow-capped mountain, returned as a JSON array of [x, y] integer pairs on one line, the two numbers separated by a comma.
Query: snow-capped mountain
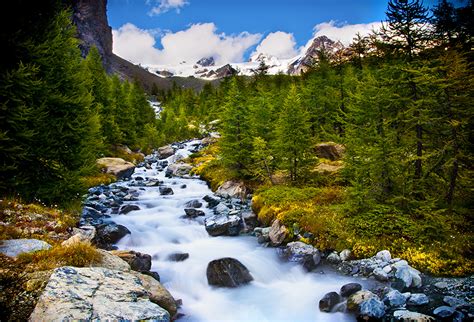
[[205, 68]]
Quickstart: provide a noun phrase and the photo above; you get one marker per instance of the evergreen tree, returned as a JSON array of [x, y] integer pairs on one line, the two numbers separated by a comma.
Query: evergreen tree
[[293, 144]]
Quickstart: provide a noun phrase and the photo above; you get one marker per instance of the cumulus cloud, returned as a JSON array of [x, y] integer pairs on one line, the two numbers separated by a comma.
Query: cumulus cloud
[[279, 44], [167, 5], [190, 45], [344, 33]]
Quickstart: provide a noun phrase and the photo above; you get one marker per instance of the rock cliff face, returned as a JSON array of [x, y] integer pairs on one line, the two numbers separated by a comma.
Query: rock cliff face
[[90, 17]]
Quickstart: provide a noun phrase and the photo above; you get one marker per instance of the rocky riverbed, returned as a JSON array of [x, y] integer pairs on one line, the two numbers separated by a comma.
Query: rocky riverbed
[[174, 249]]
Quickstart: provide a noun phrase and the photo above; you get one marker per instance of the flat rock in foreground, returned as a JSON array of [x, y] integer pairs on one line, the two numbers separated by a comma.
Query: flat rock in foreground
[[95, 293]]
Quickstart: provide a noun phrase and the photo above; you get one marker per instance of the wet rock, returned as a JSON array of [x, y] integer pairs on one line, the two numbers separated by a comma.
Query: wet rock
[[358, 298], [227, 272], [350, 288], [120, 168], [166, 191], [165, 151], [394, 298], [441, 285], [193, 204], [384, 255], [178, 257], [211, 201], [333, 258], [418, 299], [158, 294], [221, 209], [178, 170], [125, 209], [278, 233], [262, 234], [232, 189], [443, 312], [218, 225], [138, 261], [329, 301], [372, 308], [91, 216], [408, 275], [250, 219], [455, 302], [109, 233], [153, 183], [193, 213], [380, 274], [345, 255], [155, 275], [409, 316], [99, 293], [15, 247], [301, 253]]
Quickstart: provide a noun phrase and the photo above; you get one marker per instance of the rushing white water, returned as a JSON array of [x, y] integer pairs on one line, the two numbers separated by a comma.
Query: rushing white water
[[280, 291]]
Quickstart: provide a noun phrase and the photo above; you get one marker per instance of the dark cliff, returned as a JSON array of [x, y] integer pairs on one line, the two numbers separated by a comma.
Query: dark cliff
[[90, 17]]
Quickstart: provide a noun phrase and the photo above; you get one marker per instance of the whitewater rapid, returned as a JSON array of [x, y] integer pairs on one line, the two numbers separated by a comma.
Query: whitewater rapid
[[279, 292]]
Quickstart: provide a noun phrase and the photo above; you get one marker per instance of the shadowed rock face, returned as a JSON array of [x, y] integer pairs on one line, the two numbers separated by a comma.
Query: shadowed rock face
[[227, 272], [90, 17]]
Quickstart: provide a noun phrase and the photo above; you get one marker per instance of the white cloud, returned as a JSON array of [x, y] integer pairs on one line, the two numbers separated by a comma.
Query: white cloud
[[279, 44], [190, 45], [344, 33], [167, 5]]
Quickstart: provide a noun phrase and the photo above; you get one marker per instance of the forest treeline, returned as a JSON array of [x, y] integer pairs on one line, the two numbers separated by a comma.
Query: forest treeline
[[58, 111]]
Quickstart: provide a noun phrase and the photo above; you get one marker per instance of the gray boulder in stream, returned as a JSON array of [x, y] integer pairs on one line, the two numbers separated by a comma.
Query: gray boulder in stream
[[219, 225], [227, 272]]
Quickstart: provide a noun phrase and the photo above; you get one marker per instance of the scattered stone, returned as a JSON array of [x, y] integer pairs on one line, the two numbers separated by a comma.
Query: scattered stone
[[125, 209], [218, 225], [301, 253], [120, 168], [333, 258], [329, 301], [193, 213], [350, 288], [441, 285], [232, 189], [221, 209], [262, 234], [250, 219], [227, 272], [409, 316], [193, 204], [455, 302], [278, 233], [138, 261], [345, 255], [418, 299], [211, 202], [95, 293], [178, 170], [380, 274], [444, 312], [372, 308], [166, 191], [183, 186], [384, 255], [178, 257], [83, 234], [395, 299], [357, 298], [165, 151], [15, 247]]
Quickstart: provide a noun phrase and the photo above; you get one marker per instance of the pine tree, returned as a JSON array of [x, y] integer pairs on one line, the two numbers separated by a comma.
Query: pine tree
[[236, 142], [293, 143]]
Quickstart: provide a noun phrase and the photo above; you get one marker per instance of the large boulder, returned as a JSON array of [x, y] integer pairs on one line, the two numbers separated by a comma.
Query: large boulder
[[278, 233], [330, 150], [372, 308], [111, 261], [109, 234], [15, 247], [95, 294], [120, 168], [350, 288], [218, 225], [138, 261], [159, 294], [301, 253], [232, 189], [178, 170], [165, 151], [227, 272], [329, 301], [356, 299], [395, 299]]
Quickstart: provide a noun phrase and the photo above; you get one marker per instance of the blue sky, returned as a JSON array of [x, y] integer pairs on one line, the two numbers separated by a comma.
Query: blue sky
[[232, 20]]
